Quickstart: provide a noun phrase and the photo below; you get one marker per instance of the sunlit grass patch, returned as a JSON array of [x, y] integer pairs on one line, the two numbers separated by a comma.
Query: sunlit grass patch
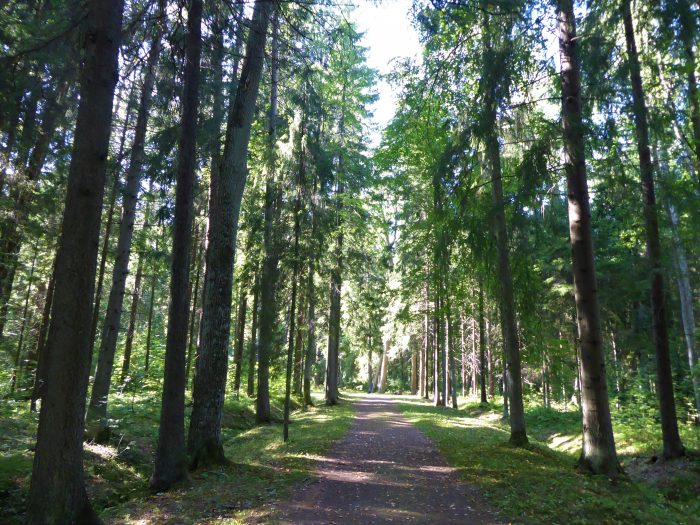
[[538, 483]]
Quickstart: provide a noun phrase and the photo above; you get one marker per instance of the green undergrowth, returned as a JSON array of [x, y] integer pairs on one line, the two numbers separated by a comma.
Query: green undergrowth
[[539, 483], [262, 466]]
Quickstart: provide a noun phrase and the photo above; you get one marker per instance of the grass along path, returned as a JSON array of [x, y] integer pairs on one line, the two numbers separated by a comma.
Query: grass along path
[[263, 467], [539, 484]]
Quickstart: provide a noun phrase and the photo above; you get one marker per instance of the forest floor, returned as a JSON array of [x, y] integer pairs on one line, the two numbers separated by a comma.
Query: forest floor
[[379, 459], [539, 483], [263, 468], [384, 470]]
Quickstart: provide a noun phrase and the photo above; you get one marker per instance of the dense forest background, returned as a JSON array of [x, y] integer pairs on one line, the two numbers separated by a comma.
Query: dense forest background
[[196, 233]]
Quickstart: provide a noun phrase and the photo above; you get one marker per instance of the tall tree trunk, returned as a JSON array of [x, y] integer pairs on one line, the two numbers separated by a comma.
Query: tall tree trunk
[[131, 329], [301, 180], [509, 328], [204, 437], [311, 298], [112, 199], [97, 423], [332, 362], [270, 270], [493, 59], [171, 458], [598, 454], [57, 493], [672, 445]]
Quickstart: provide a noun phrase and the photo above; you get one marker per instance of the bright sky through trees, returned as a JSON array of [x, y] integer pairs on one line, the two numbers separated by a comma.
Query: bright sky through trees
[[389, 36]]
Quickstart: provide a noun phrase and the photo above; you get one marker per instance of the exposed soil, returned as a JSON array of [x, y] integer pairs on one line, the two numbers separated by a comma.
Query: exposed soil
[[383, 471]]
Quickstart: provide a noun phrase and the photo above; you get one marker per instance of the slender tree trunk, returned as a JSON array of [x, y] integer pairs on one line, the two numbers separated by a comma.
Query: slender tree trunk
[[311, 298], [437, 343], [253, 345], [97, 423], [171, 458], [112, 199], [16, 371], [193, 330], [332, 362], [295, 276], [414, 366], [297, 379], [57, 493], [40, 372], [511, 342], [482, 344], [449, 342], [672, 445], [135, 298], [685, 292], [240, 338], [204, 438], [149, 322], [489, 347]]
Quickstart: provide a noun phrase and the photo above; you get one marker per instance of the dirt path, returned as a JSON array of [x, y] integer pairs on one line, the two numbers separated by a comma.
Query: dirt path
[[383, 471]]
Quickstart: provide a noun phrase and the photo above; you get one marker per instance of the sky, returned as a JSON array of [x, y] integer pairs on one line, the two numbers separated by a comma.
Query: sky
[[388, 35]]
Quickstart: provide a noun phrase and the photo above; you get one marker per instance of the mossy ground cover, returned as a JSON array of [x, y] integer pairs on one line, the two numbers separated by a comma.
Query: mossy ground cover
[[262, 468], [538, 483]]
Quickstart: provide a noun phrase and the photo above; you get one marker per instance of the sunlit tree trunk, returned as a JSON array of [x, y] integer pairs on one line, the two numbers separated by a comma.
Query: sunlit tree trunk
[[204, 437]]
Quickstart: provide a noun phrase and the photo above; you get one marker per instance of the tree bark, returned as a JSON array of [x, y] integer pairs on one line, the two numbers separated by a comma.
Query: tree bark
[[672, 445], [97, 423], [204, 437], [270, 269], [598, 454], [57, 493], [170, 458], [253, 345]]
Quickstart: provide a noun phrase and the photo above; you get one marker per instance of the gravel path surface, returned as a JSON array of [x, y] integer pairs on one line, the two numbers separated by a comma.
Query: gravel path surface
[[383, 471]]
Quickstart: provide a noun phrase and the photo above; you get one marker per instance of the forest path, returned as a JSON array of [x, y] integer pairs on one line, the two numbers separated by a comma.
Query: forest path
[[384, 470]]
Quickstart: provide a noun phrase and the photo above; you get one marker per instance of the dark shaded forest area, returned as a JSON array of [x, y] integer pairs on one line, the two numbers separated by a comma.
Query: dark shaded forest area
[[208, 251]]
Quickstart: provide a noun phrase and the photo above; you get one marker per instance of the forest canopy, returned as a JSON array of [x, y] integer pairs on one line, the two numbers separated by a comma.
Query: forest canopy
[[198, 214]]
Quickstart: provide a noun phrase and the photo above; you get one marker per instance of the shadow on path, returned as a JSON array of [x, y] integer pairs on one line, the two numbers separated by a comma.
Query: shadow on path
[[383, 471]]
